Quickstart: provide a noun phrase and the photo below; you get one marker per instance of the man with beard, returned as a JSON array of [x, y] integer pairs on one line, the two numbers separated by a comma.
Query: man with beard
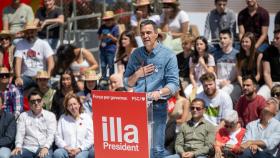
[[250, 104], [32, 55], [262, 136], [254, 19], [217, 102]]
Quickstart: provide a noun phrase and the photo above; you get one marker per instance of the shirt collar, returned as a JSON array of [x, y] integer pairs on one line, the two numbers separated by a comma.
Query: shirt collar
[[39, 115], [154, 50]]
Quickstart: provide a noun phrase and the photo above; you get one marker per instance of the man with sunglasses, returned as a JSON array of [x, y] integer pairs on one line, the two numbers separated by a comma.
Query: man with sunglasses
[[271, 64], [35, 130], [262, 136], [12, 96], [196, 136]]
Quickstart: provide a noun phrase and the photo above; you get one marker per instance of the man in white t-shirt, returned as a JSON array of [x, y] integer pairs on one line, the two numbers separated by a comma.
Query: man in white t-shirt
[[217, 102], [32, 54]]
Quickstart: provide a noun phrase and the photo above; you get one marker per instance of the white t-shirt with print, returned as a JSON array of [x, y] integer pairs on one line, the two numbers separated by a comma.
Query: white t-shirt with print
[[176, 23], [216, 107], [34, 56]]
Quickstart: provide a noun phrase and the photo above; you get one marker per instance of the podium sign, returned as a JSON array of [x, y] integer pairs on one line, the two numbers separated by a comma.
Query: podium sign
[[120, 124]]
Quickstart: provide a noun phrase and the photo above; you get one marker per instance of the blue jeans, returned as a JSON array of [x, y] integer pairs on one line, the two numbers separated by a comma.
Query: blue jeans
[[5, 152], [178, 156], [91, 153], [62, 153], [158, 129], [260, 154], [107, 62], [28, 82], [28, 154]]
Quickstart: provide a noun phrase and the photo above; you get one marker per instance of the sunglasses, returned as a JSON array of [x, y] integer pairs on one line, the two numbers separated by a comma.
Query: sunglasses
[[196, 108], [35, 101], [4, 38], [5, 75], [231, 125]]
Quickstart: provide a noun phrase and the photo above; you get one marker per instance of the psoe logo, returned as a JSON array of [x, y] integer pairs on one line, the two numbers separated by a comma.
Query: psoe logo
[[120, 137]]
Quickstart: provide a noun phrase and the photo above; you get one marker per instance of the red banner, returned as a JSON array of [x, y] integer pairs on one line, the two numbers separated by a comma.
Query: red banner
[[120, 125]]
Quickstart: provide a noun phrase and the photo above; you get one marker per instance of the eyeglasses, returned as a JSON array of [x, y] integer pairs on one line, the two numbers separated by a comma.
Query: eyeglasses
[[35, 101], [196, 108], [230, 125], [5, 75]]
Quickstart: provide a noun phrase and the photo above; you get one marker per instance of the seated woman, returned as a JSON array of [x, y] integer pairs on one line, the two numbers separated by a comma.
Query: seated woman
[[127, 45], [178, 113], [67, 84], [77, 59], [7, 53], [229, 138], [248, 59], [74, 137], [200, 62]]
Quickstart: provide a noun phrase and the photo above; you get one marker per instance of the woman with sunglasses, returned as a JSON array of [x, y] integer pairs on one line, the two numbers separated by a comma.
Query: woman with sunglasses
[[229, 137], [7, 54]]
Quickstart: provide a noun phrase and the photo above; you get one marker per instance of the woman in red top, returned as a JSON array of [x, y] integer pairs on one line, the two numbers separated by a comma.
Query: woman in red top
[[229, 138], [7, 56]]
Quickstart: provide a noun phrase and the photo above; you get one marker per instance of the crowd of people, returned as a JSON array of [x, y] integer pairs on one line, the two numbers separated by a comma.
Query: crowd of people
[[215, 95]]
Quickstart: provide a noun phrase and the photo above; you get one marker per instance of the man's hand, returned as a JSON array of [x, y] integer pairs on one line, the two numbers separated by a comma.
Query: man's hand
[[43, 152], [187, 155], [146, 70], [16, 151], [253, 148], [19, 81], [74, 152], [246, 145], [155, 95]]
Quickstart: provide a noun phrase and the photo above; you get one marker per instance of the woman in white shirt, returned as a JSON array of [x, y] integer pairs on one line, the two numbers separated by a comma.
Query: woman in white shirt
[[173, 19], [74, 137], [201, 62]]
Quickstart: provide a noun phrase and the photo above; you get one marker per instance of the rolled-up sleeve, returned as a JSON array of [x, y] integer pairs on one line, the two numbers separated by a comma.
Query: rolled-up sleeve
[[172, 75]]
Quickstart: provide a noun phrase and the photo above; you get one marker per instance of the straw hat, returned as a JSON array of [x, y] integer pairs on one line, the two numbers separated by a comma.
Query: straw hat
[[140, 3], [108, 15], [4, 70], [170, 1], [42, 74], [90, 75], [5, 33], [30, 26]]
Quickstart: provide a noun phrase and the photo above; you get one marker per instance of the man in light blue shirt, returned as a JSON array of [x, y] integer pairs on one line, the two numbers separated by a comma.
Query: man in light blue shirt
[[262, 136], [153, 68]]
